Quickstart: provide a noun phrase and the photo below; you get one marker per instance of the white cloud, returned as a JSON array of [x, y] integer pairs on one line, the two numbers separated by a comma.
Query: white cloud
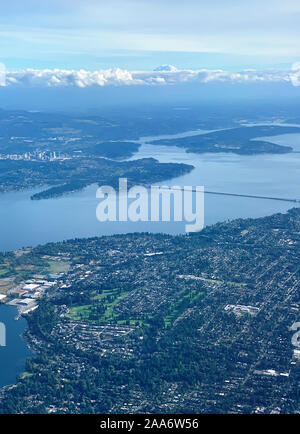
[[295, 74], [165, 75]]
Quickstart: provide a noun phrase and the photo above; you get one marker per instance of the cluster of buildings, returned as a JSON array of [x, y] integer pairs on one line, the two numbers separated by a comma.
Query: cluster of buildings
[[241, 308], [34, 156], [25, 296]]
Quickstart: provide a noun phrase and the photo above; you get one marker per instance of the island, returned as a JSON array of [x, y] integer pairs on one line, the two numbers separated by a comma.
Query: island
[[242, 140]]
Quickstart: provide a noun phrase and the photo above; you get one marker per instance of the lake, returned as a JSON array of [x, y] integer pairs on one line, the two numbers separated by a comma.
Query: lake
[[14, 354], [28, 223]]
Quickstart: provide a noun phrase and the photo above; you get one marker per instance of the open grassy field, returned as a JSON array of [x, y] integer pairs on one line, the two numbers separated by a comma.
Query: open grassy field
[[3, 272], [176, 309], [101, 309], [58, 266]]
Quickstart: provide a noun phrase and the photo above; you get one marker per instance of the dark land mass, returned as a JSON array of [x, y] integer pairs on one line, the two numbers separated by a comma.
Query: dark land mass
[[111, 135], [199, 323], [64, 151], [237, 140], [115, 135], [70, 175]]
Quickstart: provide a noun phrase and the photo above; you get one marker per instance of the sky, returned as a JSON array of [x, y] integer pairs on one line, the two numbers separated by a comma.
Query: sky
[[143, 34]]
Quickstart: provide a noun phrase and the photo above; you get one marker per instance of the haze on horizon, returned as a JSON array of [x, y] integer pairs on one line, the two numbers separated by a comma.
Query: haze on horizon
[[141, 35]]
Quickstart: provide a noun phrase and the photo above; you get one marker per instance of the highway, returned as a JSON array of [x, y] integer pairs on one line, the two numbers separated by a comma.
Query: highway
[[221, 193], [253, 196]]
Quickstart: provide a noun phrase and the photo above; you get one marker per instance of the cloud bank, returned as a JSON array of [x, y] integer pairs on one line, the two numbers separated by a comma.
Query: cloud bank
[[165, 75]]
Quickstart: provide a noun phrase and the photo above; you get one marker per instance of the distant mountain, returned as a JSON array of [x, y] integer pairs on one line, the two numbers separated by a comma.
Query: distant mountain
[[169, 68]]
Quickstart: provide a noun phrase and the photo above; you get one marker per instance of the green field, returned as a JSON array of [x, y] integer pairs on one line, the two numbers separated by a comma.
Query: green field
[[101, 309], [177, 308], [58, 267], [3, 272]]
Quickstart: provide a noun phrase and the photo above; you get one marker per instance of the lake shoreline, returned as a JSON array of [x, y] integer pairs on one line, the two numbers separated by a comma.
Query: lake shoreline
[[17, 349]]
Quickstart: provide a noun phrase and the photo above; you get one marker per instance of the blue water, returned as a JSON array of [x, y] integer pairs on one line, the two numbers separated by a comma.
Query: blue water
[[14, 354], [28, 223]]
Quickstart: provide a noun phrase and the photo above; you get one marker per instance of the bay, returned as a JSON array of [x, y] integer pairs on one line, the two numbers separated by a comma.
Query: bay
[[14, 354], [24, 222]]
